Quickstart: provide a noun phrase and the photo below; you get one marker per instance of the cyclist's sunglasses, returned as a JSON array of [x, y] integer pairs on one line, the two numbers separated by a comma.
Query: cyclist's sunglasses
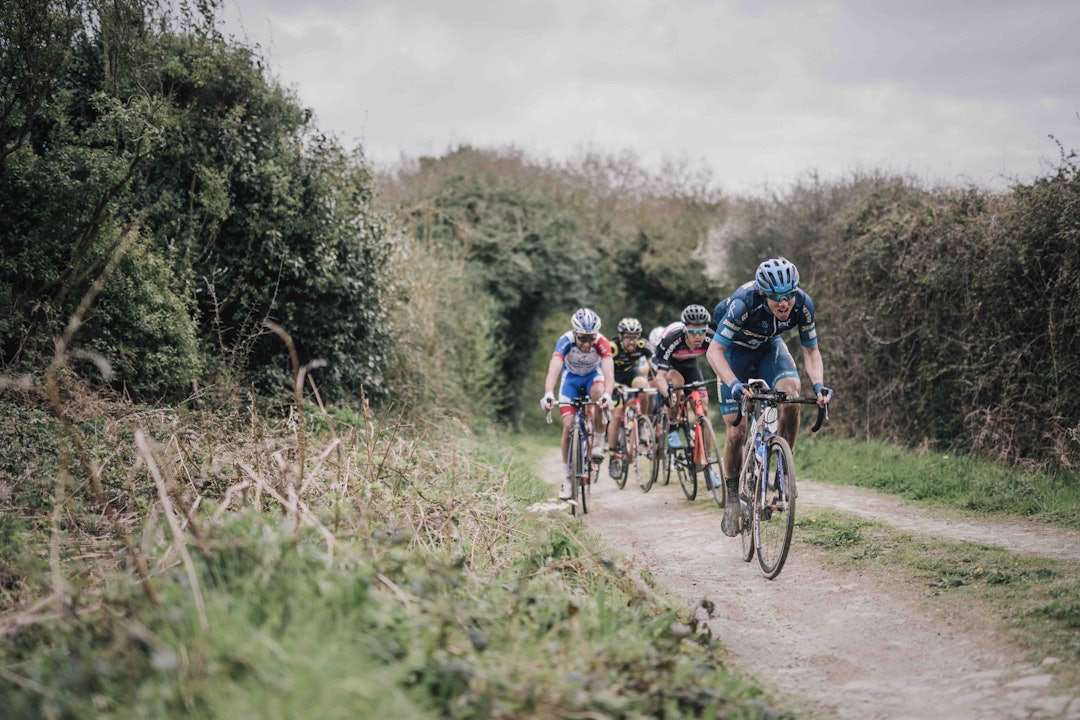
[[696, 331], [586, 337], [781, 297]]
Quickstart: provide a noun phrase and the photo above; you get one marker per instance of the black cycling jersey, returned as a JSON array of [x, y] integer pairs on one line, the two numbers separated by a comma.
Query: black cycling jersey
[[627, 359]]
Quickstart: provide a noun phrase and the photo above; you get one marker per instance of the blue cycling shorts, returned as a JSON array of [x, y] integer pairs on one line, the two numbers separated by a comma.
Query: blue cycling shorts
[[574, 386], [772, 362]]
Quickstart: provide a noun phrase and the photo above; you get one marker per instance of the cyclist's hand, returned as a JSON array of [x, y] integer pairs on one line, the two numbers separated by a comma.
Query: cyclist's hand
[[605, 401], [547, 402], [824, 394], [737, 391]]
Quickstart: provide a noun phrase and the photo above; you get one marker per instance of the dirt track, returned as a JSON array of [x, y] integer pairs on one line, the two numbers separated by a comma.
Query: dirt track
[[845, 644]]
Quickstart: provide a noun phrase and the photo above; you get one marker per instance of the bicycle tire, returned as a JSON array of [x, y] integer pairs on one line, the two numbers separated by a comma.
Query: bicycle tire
[[712, 462], [746, 500], [774, 509], [577, 467], [622, 450], [587, 477], [660, 450], [684, 463], [646, 449]]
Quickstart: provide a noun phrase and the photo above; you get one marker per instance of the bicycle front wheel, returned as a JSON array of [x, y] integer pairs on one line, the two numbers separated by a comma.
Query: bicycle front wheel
[[587, 478], [746, 503], [684, 463], [624, 450], [646, 452], [660, 449], [577, 465], [712, 471], [774, 507]]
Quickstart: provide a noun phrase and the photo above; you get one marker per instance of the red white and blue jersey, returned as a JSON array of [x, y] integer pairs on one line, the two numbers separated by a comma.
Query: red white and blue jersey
[[576, 362]]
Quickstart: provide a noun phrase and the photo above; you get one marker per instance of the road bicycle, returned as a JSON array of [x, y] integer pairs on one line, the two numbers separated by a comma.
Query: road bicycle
[[767, 489], [583, 470], [697, 449], [636, 439]]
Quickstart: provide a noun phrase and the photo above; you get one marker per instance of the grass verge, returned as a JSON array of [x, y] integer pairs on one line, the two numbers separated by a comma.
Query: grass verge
[[956, 481], [223, 563]]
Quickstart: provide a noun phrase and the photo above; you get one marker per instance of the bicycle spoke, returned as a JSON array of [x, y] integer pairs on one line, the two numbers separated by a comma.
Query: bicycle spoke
[[646, 451], [774, 508]]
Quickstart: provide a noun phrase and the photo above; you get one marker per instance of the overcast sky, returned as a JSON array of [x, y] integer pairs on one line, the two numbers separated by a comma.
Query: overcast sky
[[761, 92]]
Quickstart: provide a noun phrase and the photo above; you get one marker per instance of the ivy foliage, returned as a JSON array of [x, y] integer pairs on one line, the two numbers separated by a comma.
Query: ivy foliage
[[150, 134]]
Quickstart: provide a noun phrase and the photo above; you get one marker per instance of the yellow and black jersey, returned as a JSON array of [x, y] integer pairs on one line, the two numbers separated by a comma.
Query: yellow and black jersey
[[626, 359]]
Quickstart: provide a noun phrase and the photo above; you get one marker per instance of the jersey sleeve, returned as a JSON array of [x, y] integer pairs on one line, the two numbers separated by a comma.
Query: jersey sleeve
[[807, 328], [603, 347], [735, 314], [562, 346]]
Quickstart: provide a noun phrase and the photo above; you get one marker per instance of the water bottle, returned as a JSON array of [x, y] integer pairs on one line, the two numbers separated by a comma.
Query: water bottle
[[759, 449]]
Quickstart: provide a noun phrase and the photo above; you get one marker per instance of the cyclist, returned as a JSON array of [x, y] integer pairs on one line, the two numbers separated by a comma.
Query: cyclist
[[582, 357], [748, 344], [628, 351], [677, 364]]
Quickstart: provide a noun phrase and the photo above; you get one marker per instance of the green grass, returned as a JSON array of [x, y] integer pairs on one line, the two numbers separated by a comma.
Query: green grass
[[1037, 600], [429, 591], [955, 481]]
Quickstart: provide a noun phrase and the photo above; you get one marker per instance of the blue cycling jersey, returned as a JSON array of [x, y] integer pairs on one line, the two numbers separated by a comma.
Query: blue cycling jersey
[[744, 319]]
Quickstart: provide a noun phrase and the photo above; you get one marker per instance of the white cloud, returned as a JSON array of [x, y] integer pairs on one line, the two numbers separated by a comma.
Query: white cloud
[[760, 91]]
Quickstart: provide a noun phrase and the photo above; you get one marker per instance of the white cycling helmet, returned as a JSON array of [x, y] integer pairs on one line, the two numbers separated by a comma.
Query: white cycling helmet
[[655, 336], [585, 322]]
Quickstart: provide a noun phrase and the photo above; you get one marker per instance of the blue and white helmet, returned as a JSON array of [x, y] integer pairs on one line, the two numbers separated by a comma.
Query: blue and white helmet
[[585, 322], [777, 276]]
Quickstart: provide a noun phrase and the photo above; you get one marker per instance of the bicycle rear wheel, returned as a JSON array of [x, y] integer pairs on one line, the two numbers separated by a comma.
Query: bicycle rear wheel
[[774, 508], [646, 452], [712, 472], [684, 463]]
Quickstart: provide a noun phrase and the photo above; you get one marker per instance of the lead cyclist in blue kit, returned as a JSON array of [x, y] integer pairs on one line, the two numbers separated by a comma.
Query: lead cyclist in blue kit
[[748, 344]]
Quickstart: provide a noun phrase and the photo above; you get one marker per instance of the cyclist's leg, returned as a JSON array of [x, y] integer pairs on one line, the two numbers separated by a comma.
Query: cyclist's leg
[[674, 377], [596, 391], [640, 381], [691, 373], [778, 368], [742, 363], [618, 409]]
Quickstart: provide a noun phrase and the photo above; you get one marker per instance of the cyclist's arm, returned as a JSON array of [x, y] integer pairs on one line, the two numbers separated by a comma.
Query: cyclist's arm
[[815, 367], [555, 367], [661, 382], [607, 367], [718, 362]]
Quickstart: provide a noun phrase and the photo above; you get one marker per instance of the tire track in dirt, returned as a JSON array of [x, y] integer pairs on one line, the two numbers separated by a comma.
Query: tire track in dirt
[[829, 643]]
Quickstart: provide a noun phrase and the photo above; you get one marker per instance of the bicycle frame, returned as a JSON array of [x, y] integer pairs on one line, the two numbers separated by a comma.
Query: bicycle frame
[[628, 438], [768, 515], [688, 460], [583, 470]]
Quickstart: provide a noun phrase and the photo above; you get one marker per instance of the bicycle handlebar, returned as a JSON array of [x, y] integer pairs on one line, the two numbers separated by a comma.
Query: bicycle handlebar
[[690, 386], [779, 397], [581, 402]]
